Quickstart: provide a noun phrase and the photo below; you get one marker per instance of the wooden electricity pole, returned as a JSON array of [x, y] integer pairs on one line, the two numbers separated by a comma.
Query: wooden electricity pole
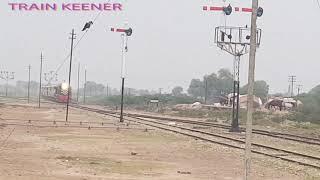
[[206, 89], [41, 59], [299, 89], [29, 68], [85, 86], [292, 80], [78, 83], [70, 70], [252, 56]]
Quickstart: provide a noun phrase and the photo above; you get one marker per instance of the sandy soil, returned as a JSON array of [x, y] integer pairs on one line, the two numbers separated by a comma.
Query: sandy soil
[[70, 152]]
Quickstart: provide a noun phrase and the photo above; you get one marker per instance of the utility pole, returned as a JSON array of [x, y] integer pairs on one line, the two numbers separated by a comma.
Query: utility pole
[[49, 77], [85, 86], [236, 94], [206, 89], [41, 59], [70, 69], [78, 82], [7, 76], [252, 59], [29, 68], [7, 84], [107, 90], [299, 86], [292, 80]]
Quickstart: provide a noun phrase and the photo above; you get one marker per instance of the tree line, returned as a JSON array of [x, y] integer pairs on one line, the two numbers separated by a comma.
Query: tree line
[[219, 84], [310, 111]]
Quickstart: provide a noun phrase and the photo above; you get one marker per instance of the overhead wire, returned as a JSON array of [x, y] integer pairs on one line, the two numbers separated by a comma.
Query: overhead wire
[[224, 15], [318, 2], [5, 141], [76, 45]]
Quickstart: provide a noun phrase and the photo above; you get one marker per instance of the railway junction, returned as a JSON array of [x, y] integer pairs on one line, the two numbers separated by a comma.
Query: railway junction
[[220, 128], [94, 145]]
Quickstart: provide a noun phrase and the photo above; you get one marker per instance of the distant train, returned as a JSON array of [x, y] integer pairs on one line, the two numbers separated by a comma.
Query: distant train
[[57, 93]]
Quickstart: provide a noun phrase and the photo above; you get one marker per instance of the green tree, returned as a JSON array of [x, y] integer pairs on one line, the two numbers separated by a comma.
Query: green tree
[[94, 89], [315, 90], [196, 88], [261, 89], [217, 85], [310, 110], [225, 82], [211, 82], [220, 84], [224, 74], [177, 91]]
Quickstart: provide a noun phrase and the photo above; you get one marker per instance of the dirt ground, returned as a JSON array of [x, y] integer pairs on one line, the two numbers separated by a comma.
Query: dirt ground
[[115, 151]]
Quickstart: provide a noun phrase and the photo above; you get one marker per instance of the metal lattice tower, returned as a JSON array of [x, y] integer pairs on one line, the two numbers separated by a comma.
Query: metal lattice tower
[[50, 77], [235, 41], [7, 76]]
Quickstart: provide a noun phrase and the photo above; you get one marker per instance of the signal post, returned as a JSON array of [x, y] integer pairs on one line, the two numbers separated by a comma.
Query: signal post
[[125, 33], [235, 41]]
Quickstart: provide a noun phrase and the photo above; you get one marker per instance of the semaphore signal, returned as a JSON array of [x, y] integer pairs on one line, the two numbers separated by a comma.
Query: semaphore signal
[[229, 9], [128, 31], [220, 8], [125, 33], [235, 41]]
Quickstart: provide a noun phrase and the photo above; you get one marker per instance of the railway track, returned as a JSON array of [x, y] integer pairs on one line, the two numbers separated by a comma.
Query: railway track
[[7, 100], [41, 123], [74, 126], [286, 136], [280, 135], [274, 152]]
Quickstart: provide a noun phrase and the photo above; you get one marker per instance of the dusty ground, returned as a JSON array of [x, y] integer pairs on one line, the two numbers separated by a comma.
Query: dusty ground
[[73, 151]]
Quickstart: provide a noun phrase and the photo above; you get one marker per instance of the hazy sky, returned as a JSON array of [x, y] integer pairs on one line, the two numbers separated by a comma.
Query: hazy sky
[[171, 44]]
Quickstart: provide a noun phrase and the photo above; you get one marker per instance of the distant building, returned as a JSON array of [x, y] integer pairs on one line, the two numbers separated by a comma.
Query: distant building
[[243, 99]]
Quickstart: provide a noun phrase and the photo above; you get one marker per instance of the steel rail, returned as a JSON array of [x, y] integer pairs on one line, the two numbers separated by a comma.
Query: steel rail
[[139, 119], [287, 136]]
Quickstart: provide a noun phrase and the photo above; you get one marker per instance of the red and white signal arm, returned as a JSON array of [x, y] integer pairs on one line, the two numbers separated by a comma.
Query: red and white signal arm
[[128, 31], [118, 30], [217, 8]]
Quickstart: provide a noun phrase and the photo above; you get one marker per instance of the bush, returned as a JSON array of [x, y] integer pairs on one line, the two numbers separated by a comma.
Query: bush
[[140, 100], [310, 110]]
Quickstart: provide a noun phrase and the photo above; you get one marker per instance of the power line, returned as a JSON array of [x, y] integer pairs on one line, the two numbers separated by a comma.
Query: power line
[[68, 56], [29, 68], [292, 80], [7, 76], [299, 87], [69, 89], [318, 3], [251, 77], [40, 82], [5, 141], [76, 45]]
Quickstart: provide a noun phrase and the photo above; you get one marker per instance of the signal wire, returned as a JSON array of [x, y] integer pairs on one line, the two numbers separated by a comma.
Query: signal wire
[[76, 44], [318, 3], [5, 141]]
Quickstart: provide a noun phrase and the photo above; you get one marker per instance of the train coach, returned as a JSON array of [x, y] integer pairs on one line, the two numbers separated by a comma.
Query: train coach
[[57, 93]]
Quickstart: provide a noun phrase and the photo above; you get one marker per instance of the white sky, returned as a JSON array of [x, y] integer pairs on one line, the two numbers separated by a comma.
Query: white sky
[[171, 44]]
